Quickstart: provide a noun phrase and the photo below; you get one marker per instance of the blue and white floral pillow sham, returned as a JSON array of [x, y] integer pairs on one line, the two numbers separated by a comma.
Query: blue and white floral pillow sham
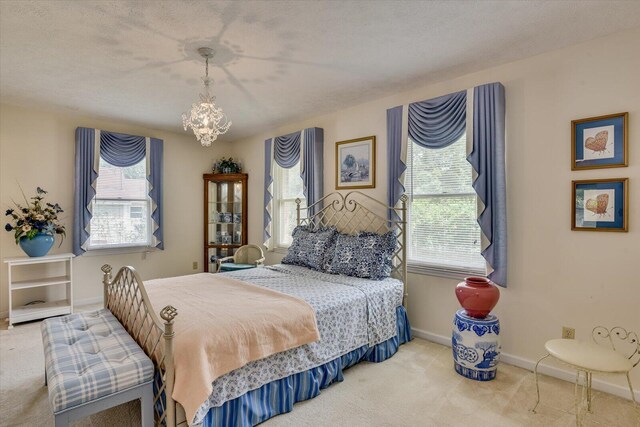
[[309, 247], [366, 255]]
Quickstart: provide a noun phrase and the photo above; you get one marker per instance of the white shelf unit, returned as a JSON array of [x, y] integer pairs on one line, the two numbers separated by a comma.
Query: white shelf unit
[[26, 313]]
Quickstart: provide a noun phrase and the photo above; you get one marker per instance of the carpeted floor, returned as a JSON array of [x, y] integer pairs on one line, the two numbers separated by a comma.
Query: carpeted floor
[[416, 387]]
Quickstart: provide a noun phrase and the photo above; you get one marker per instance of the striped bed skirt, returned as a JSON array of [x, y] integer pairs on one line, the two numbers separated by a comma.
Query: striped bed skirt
[[278, 397]]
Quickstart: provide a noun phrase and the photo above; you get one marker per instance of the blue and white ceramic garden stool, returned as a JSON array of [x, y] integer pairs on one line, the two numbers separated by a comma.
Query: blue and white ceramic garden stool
[[476, 346]]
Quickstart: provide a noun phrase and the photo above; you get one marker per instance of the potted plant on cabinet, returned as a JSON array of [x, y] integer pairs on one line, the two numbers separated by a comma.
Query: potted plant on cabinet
[[35, 224], [225, 165]]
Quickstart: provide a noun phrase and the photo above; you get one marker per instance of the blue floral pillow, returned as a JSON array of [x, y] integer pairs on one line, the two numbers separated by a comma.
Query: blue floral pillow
[[367, 255], [331, 250], [309, 247]]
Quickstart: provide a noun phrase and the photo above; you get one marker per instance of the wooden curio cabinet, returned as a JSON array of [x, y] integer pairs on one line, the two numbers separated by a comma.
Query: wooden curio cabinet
[[225, 216]]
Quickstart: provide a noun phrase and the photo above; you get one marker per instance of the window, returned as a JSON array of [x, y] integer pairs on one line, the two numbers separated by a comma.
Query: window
[[287, 188], [444, 235], [121, 207]]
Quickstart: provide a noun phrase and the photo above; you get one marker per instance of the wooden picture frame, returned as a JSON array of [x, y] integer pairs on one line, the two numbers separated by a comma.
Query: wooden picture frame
[[600, 142], [356, 163], [600, 205]]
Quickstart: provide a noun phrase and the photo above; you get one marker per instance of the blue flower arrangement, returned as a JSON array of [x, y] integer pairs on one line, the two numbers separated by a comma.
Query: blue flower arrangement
[[34, 218]]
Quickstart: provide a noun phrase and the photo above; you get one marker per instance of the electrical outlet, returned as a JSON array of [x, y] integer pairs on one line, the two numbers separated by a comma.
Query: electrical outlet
[[568, 333], [195, 265]]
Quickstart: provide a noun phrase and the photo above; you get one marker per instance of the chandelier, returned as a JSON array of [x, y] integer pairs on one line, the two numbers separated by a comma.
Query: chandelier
[[206, 119]]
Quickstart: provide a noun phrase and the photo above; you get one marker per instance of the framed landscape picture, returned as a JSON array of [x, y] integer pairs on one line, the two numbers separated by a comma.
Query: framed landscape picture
[[600, 205], [356, 163], [600, 142]]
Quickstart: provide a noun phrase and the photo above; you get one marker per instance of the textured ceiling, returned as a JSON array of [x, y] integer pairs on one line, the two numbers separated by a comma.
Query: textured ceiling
[[276, 61]]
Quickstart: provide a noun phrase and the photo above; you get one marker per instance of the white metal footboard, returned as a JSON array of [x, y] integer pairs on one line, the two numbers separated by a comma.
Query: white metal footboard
[[126, 297]]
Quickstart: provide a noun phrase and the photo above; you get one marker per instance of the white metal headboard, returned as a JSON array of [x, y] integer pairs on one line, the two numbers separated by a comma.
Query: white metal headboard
[[353, 212]]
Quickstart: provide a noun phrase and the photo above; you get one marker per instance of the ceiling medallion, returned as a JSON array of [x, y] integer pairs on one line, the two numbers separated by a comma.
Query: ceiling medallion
[[206, 119]]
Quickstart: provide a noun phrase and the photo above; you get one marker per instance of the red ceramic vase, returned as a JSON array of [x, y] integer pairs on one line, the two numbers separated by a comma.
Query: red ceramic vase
[[478, 296]]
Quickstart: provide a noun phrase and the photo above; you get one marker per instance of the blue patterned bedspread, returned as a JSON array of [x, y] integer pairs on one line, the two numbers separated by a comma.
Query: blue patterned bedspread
[[350, 311]]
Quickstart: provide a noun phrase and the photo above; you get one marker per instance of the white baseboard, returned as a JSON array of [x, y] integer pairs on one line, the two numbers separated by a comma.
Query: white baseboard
[[552, 371], [76, 303]]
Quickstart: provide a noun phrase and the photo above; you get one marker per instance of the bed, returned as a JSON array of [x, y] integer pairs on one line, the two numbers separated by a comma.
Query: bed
[[358, 319]]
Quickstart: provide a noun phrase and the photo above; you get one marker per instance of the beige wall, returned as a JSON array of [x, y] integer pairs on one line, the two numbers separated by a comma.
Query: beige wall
[[556, 276], [37, 149]]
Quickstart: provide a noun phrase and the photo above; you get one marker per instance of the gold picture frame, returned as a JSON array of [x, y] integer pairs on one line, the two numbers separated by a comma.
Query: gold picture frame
[[602, 203], [356, 163], [600, 142]]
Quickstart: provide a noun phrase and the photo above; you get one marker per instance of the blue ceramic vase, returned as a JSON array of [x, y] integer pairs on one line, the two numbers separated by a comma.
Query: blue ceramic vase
[[40, 245]]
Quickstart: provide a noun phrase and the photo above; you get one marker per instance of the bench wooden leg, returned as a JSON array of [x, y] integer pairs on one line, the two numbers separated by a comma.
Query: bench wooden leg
[[146, 406], [144, 392], [62, 419]]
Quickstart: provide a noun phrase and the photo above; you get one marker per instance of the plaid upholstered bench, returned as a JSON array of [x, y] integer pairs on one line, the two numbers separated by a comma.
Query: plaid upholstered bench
[[92, 364]]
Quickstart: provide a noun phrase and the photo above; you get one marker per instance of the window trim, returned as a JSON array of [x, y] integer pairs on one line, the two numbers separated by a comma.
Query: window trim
[[147, 244], [121, 250], [117, 246], [122, 247], [278, 246], [439, 270], [120, 199], [433, 195], [436, 269]]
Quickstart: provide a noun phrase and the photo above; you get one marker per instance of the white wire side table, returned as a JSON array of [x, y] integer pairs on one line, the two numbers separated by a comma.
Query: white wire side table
[[614, 351]]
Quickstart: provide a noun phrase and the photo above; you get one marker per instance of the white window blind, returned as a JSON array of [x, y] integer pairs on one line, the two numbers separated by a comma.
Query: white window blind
[[288, 187], [121, 208], [443, 231]]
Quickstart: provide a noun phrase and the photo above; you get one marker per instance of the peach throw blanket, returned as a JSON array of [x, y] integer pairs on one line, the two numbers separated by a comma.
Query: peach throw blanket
[[222, 325]]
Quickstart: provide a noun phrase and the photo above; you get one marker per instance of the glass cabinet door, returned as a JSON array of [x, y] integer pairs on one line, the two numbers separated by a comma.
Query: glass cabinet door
[[225, 213], [225, 216]]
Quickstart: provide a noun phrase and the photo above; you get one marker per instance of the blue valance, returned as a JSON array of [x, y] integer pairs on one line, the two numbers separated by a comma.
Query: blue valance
[[122, 150], [286, 150], [438, 122]]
